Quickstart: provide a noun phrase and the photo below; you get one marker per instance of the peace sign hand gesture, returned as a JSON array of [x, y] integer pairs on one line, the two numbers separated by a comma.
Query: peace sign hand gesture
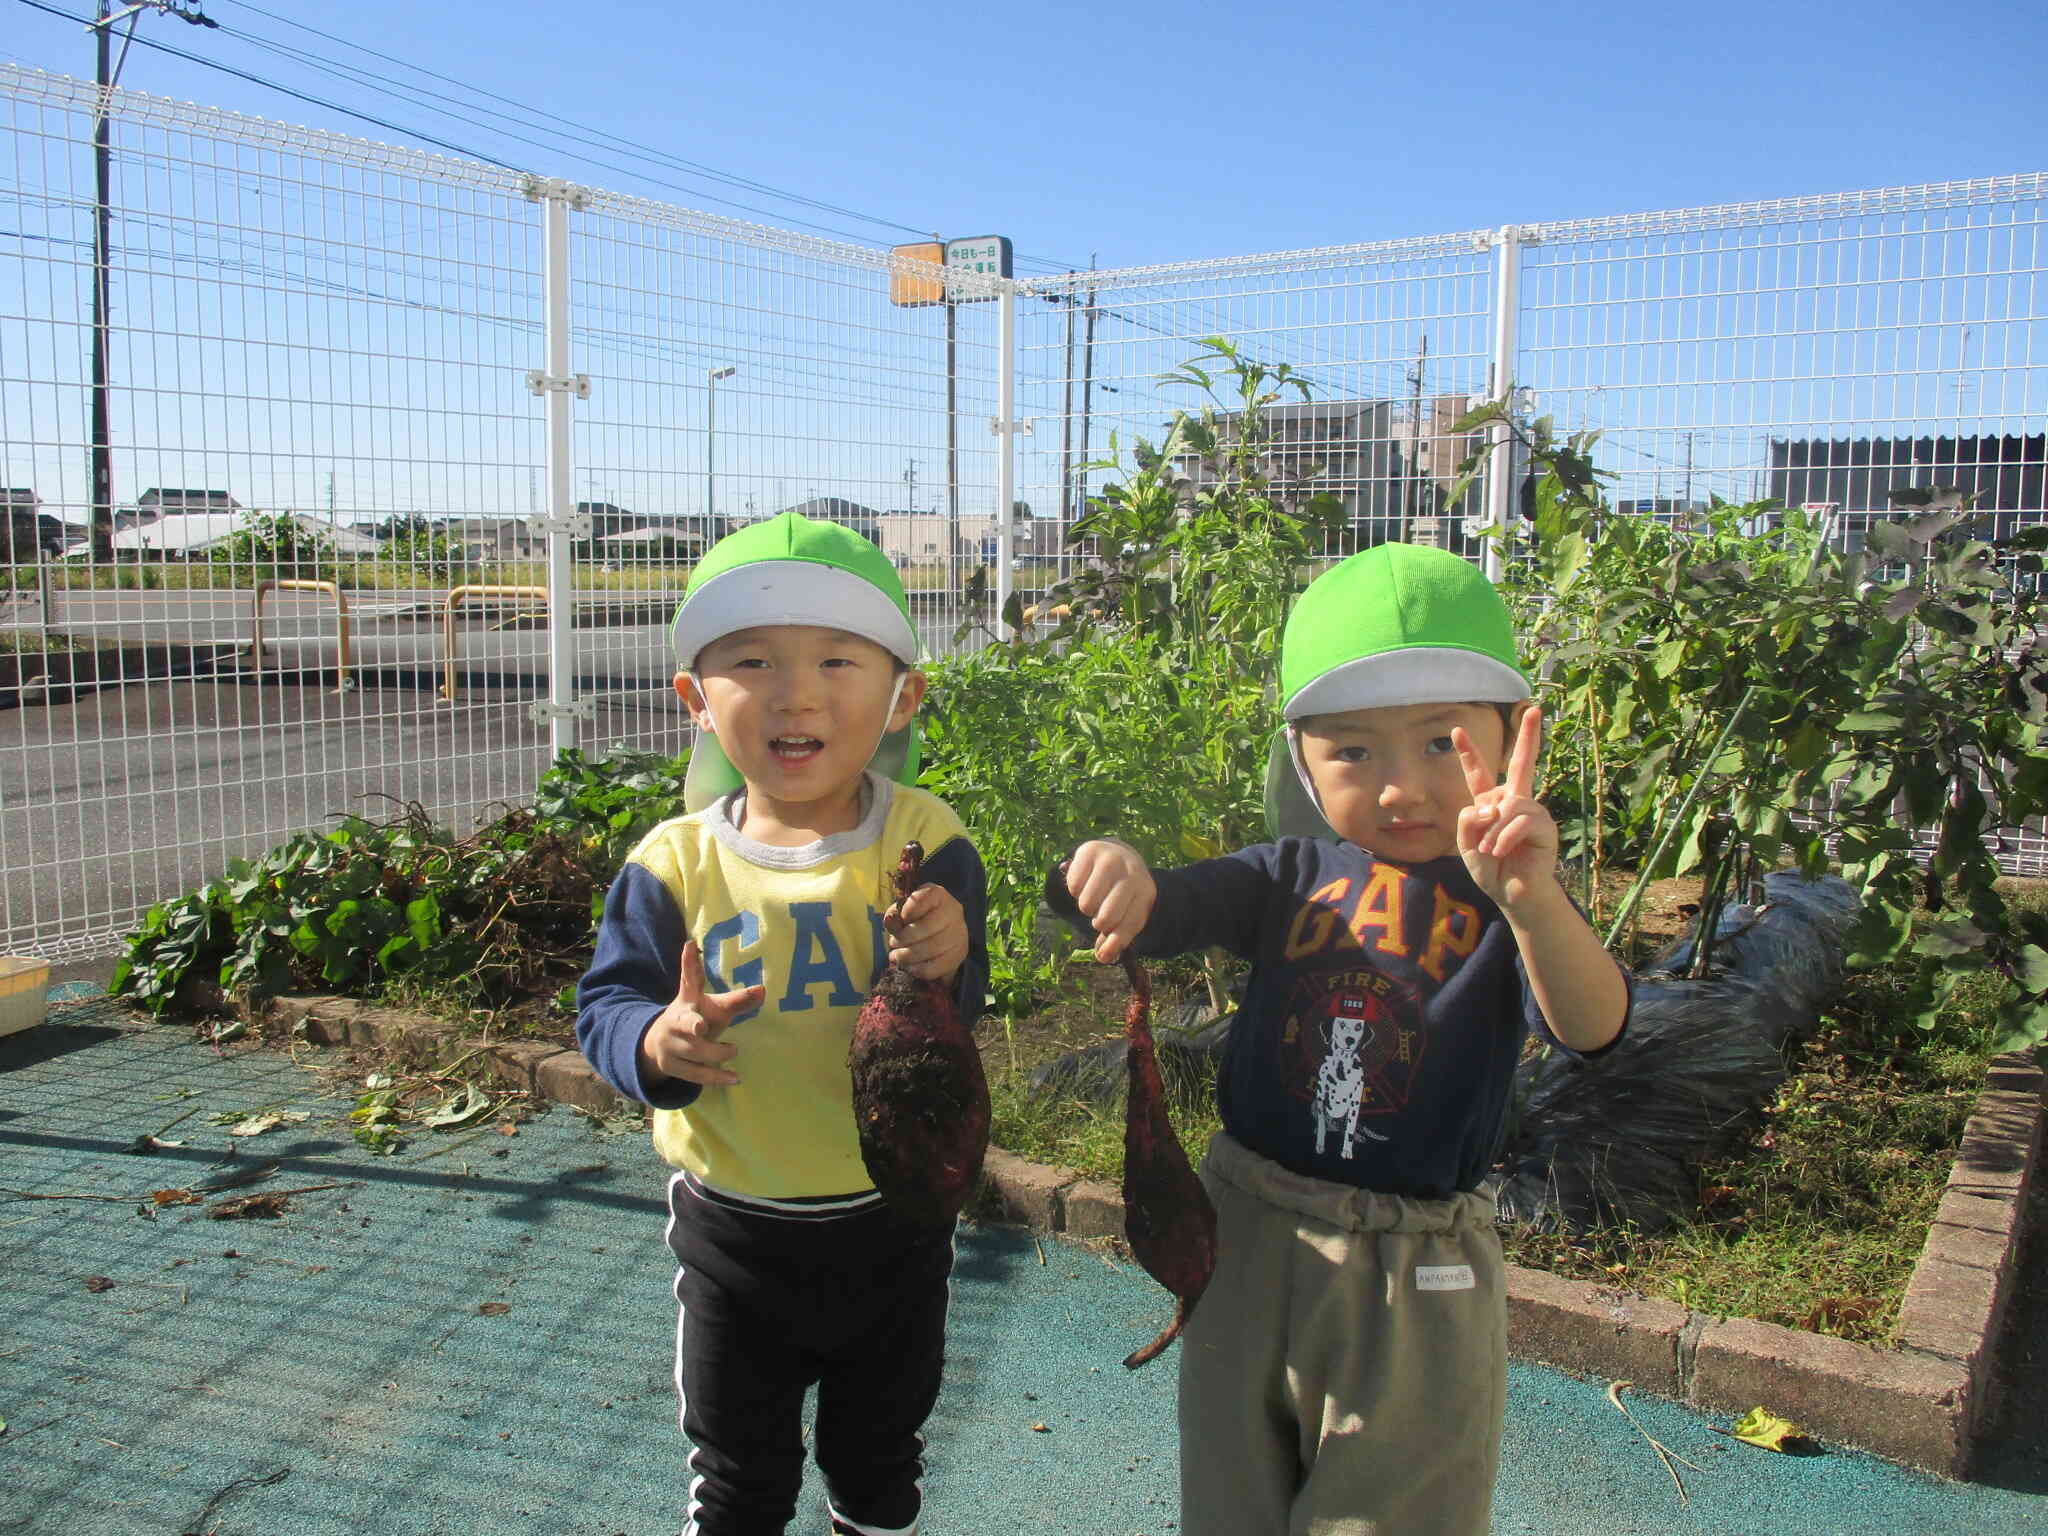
[[1505, 836], [683, 1041]]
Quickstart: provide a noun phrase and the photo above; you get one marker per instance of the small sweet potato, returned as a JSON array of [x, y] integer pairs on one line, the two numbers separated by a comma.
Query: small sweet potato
[[920, 1098], [1168, 1218]]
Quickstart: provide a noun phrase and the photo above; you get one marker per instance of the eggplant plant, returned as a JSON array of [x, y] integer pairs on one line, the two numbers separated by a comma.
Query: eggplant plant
[[1740, 689]]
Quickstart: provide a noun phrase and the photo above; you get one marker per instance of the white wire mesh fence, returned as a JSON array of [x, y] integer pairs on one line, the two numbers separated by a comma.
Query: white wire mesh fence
[[358, 343], [339, 539]]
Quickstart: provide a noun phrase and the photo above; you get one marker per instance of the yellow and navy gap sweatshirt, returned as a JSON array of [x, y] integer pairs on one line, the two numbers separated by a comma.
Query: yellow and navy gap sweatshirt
[[806, 923]]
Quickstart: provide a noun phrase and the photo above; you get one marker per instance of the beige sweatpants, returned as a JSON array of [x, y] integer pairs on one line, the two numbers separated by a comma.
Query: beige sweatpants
[[1345, 1373]]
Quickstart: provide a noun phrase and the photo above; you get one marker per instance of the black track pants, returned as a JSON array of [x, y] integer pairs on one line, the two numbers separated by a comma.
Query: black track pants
[[771, 1304]]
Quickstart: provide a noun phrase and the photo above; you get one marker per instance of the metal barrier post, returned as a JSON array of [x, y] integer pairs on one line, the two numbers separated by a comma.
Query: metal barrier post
[[292, 584], [556, 385], [1007, 428], [456, 598]]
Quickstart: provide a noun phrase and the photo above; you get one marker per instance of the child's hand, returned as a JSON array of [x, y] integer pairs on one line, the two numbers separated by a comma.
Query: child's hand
[[1114, 889], [927, 933], [1505, 836], [683, 1041]]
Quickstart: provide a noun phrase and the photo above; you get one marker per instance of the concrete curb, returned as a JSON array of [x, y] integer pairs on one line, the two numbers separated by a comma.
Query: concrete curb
[[1924, 1403]]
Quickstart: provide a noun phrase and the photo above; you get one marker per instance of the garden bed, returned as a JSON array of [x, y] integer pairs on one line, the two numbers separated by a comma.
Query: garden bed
[[1813, 1221]]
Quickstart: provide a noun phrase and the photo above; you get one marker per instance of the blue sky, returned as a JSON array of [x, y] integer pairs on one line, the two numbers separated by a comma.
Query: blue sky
[[1135, 135], [1110, 134]]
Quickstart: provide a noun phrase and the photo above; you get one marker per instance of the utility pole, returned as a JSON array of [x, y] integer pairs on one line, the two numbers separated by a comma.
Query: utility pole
[[106, 71], [1414, 507], [910, 483]]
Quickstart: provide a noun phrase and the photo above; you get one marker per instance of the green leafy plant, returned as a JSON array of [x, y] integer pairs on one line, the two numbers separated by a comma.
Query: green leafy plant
[[489, 916], [1738, 691], [1147, 712], [274, 546], [421, 550]]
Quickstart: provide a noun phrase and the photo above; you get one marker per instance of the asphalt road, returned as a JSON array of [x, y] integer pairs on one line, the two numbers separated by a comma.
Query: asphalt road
[[113, 799]]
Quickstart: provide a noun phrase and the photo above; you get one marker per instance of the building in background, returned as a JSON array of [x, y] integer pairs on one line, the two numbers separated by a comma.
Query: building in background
[[195, 535], [2004, 475], [1391, 465], [28, 531], [933, 538]]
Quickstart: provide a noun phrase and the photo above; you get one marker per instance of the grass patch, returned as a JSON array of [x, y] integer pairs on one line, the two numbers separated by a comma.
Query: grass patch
[[22, 642], [373, 575]]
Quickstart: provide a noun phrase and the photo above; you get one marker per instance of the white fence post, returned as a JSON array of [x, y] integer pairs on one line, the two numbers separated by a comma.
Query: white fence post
[[556, 384], [1006, 446], [1500, 459]]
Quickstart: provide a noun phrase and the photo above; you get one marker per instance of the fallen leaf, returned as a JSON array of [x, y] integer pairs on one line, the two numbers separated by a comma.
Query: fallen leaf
[[460, 1109], [266, 1206], [507, 1128], [148, 1144], [98, 1283], [256, 1124], [1760, 1427], [1041, 1429], [494, 1308], [175, 1197]]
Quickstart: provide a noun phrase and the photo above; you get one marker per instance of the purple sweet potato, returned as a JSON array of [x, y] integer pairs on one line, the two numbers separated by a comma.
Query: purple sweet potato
[[920, 1098], [1168, 1220]]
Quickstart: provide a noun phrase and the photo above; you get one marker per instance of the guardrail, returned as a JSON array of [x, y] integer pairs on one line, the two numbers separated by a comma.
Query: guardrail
[[456, 598], [297, 584]]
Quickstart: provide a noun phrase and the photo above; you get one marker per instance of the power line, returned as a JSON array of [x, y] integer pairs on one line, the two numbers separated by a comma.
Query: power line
[[584, 133], [447, 107], [332, 106]]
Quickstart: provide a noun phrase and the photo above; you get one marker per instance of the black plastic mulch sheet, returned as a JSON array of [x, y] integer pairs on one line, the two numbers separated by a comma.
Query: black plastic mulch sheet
[[1619, 1139]]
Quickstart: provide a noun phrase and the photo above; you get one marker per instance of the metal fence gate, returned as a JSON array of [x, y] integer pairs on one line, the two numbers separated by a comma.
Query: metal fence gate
[[469, 403]]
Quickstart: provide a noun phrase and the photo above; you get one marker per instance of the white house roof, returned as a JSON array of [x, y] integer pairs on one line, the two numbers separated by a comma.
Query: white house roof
[[194, 532]]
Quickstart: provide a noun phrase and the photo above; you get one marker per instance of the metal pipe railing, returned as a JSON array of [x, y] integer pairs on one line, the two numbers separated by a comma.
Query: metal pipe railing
[[456, 598], [296, 584]]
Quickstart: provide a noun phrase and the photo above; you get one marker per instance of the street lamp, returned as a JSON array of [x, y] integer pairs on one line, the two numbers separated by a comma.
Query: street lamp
[[711, 378]]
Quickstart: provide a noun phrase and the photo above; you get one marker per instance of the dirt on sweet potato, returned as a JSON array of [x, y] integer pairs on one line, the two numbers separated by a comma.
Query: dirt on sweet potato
[[920, 1097]]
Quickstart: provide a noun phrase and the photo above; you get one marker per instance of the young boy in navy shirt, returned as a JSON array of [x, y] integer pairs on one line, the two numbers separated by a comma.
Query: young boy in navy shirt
[[1345, 1372]]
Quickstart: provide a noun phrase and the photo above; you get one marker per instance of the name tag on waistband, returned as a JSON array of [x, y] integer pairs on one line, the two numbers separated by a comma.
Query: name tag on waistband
[[1444, 1277]]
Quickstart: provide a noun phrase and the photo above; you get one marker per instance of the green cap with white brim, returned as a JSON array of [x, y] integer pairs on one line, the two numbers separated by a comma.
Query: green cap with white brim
[[791, 569], [1393, 625]]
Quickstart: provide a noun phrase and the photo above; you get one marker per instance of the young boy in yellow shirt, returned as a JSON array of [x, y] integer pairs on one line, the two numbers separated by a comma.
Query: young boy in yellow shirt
[[737, 946]]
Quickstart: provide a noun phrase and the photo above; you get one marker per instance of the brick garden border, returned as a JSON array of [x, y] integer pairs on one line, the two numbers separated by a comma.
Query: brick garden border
[[1924, 1403]]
